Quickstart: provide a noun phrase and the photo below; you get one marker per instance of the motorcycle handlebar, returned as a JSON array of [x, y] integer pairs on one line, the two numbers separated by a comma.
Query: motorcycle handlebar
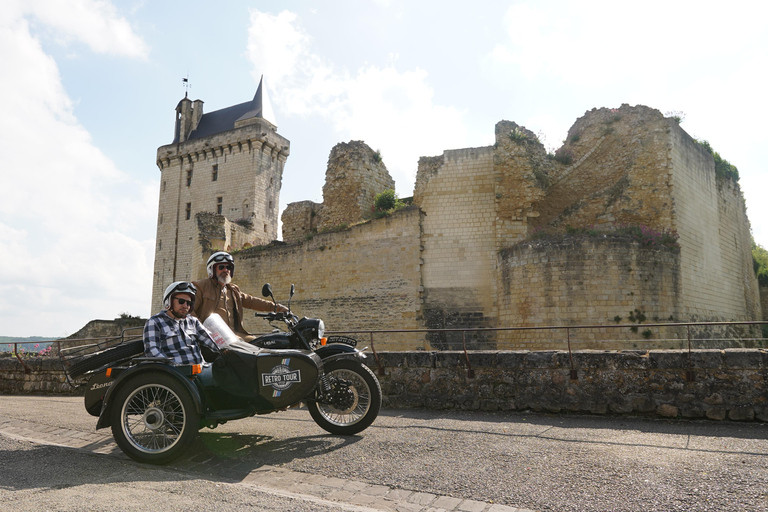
[[272, 315]]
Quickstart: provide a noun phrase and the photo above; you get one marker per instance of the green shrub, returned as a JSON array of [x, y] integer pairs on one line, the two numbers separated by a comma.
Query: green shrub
[[386, 203], [723, 168]]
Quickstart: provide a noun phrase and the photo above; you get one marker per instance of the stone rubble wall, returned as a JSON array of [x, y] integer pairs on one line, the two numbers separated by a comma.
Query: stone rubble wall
[[354, 176], [300, 220], [726, 384], [717, 385]]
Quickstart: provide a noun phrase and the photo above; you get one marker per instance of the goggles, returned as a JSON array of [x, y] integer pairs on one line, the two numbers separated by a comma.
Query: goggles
[[222, 257], [185, 287]]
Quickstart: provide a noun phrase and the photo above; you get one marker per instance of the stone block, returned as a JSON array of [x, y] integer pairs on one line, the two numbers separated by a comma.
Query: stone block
[[741, 414], [742, 358]]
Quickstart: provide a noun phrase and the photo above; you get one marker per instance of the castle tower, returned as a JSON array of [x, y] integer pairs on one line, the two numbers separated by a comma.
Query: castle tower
[[228, 163]]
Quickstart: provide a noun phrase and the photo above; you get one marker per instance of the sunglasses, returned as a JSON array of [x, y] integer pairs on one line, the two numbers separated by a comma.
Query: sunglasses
[[222, 267], [184, 301]]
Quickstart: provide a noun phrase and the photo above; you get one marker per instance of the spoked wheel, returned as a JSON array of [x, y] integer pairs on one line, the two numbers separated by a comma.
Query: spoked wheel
[[154, 418], [354, 401]]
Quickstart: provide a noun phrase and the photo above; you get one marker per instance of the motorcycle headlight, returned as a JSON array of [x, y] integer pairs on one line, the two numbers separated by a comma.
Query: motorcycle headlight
[[320, 329]]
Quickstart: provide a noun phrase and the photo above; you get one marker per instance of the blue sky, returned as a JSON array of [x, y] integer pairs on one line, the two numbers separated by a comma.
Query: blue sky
[[90, 88]]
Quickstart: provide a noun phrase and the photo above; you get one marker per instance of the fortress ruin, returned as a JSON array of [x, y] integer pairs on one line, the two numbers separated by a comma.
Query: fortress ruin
[[498, 236]]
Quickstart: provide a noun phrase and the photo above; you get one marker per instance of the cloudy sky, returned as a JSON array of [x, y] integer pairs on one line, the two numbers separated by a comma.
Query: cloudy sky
[[89, 89]]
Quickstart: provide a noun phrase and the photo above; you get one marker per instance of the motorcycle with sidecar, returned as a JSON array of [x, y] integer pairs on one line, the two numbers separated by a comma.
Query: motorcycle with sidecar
[[155, 409]]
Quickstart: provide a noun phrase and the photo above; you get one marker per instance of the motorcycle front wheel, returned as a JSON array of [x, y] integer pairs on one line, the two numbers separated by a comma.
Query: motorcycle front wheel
[[354, 401], [154, 419]]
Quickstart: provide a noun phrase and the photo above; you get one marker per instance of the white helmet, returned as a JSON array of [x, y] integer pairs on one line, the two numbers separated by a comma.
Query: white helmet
[[178, 287], [220, 257]]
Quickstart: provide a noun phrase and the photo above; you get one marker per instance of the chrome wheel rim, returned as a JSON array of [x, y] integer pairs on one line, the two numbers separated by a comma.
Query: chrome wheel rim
[[356, 405], [153, 418]]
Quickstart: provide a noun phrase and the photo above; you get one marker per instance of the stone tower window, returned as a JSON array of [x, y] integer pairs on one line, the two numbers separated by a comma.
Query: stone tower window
[[215, 172], [161, 219], [163, 186], [188, 211], [219, 205], [189, 177], [159, 245]]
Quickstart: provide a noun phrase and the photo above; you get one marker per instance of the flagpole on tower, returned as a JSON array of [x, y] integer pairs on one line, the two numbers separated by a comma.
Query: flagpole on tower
[[187, 85]]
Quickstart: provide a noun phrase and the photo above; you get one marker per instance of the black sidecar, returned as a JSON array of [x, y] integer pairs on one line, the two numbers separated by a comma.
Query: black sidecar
[[155, 409]]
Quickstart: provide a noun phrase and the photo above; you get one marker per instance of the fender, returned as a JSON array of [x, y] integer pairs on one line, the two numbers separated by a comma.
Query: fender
[[336, 351], [104, 420]]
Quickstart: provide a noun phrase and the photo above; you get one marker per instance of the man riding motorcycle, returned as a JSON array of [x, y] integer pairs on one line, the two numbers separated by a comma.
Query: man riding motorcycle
[[217, 294]]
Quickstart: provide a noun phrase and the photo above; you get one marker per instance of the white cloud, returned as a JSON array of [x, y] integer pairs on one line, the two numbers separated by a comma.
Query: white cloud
[[93, 22], [390, 110], [68, 213]]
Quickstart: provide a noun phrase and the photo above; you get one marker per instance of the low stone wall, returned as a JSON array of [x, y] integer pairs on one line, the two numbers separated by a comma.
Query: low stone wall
[[726, 384], [718, 384], [36, 375]]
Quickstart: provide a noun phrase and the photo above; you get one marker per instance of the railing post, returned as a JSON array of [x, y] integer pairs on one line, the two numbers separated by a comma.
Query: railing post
[[689, 375], [376, 357], [470, 371], [574, 374], [27, 369]]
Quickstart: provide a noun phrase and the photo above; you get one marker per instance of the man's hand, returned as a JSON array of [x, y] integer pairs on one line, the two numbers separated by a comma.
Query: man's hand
[[279, 308]]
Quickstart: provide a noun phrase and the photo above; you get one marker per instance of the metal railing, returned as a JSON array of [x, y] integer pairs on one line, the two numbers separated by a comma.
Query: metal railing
[[760, 341], [567, 338]]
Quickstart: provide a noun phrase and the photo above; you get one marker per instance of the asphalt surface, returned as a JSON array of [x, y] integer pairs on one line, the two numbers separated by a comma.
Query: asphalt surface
[[52, 458]]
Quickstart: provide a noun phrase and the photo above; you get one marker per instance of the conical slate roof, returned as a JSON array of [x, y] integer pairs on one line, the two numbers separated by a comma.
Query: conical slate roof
[[223, 120]]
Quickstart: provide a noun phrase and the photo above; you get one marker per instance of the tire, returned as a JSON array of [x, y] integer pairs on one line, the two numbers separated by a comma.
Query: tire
[[355, 400], [153, 418], [111, 355]]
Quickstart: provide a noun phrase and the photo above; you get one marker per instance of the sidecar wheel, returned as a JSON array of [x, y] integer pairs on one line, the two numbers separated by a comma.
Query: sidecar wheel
[[154, 418], [355, 400]]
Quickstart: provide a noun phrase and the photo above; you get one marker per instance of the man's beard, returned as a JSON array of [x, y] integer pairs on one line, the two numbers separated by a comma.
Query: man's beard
[[225, 280], [177, 314]]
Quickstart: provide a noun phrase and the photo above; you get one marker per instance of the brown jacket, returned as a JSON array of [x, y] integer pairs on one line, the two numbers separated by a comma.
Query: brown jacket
[[207, 300]]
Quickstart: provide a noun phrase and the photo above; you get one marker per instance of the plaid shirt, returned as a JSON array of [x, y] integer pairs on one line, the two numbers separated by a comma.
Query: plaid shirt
[[178, 339]]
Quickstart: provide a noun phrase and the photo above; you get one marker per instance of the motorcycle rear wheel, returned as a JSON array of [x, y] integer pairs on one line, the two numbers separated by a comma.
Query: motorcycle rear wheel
[[356, 399], [154, 419]]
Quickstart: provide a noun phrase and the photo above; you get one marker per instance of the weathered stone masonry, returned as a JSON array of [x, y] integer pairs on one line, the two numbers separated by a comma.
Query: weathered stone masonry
[[625, 166], [717, 385]]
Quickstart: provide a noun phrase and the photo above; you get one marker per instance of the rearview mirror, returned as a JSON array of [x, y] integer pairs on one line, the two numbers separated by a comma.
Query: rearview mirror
[[266, 290]]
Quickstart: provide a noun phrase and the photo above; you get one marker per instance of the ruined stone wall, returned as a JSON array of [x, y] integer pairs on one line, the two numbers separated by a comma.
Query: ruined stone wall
[[239, 170], [613, 169], [354, 176], [366, 277], [456, 192], [522, 174], [300, 220], [588, 281], [717, 276]]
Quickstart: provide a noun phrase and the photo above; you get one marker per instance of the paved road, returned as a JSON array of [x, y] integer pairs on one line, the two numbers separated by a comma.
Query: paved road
[[51, 458]]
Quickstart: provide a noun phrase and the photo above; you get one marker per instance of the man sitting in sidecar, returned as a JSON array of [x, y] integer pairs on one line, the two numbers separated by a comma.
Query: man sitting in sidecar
[[174, 333]]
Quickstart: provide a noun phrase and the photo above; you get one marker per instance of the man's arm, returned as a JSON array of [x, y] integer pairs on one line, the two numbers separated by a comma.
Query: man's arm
[[204, 336], [258, 304], [152, 339]]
